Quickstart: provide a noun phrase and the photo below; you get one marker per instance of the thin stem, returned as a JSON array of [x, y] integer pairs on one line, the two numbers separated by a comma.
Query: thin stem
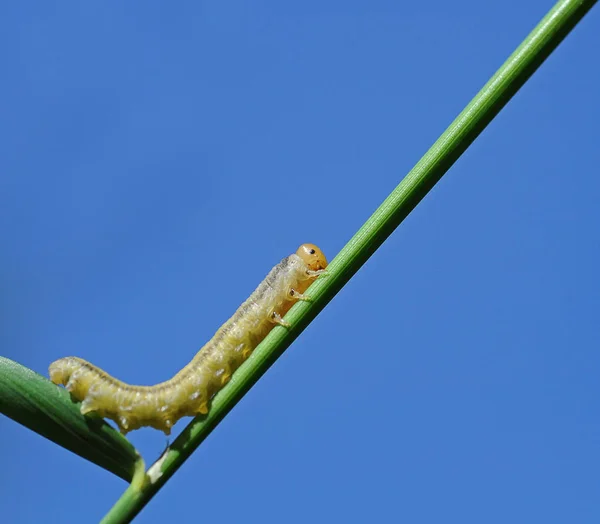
[[427, 172], [131, 494]]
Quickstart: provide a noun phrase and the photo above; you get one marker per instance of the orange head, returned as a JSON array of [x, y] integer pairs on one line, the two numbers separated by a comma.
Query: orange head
[[312, 256]]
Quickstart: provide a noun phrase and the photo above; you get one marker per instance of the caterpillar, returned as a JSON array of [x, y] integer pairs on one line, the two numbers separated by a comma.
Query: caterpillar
[[190, 391]]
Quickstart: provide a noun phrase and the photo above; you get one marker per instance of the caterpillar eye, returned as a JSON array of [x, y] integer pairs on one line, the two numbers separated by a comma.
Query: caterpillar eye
[[312, 251]]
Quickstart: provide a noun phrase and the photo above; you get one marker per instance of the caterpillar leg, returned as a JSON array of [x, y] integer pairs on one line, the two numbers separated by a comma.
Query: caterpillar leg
[[277, 319], [122, 424], [299, 296], [203, 408], [317, 273], [87, 406]]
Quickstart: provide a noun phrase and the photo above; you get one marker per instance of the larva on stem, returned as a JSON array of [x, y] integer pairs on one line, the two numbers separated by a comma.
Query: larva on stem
[[190, 391]]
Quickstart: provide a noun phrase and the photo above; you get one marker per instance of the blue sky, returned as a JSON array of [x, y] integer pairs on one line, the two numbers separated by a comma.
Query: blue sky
[[158, 159]]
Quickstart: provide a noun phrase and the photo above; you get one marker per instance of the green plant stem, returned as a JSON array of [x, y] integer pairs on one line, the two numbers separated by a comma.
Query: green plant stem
[[131, 494], [427, 172]]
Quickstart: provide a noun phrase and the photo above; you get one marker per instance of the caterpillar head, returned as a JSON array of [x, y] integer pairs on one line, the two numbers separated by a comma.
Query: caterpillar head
[[312, 256]]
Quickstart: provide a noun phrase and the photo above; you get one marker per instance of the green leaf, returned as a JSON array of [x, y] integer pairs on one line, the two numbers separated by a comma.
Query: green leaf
[[32, 400]]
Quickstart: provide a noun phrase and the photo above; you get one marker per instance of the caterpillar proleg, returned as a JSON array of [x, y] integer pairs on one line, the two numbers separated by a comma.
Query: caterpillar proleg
[[190, 391]]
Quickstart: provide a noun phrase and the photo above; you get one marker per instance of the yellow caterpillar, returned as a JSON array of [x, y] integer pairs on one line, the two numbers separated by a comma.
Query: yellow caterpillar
[[190, 391]]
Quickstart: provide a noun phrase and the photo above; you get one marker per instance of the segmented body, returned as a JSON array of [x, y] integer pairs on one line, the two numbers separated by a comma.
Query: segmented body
[[190, 391]]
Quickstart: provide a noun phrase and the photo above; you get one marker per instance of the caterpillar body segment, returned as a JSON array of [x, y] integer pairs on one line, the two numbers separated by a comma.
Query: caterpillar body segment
[[190, 391]]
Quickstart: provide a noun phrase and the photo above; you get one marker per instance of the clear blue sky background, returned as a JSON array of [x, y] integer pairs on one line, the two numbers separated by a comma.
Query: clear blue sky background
[[157, 159]]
